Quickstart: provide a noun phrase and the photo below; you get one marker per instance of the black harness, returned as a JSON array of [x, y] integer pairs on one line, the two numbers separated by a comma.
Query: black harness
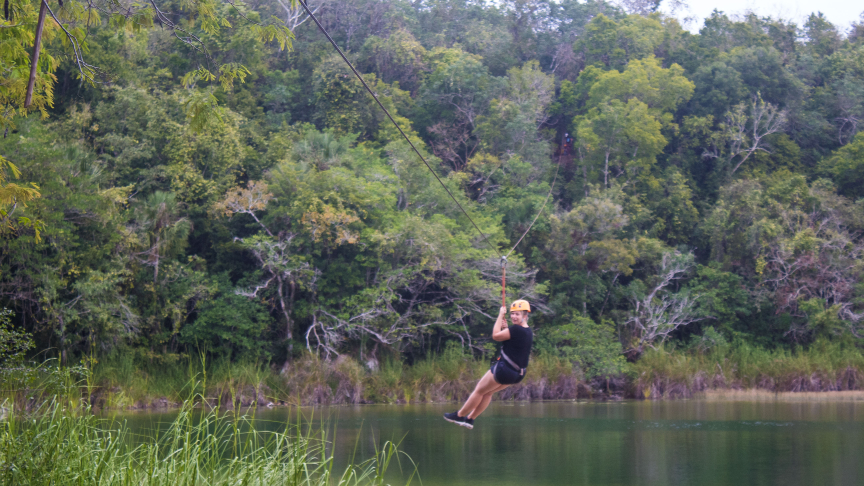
[[511, 363]]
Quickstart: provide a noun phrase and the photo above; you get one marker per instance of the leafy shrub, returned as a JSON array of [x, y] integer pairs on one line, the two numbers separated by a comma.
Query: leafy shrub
[[593, 347], [13, 343], [231, 325]]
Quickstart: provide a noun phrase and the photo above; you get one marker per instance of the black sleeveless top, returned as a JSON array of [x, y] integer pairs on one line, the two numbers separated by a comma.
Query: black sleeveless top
[[518, 347]]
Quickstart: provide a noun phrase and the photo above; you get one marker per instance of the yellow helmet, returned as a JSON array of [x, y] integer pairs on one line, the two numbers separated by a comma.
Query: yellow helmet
[[520, 305]]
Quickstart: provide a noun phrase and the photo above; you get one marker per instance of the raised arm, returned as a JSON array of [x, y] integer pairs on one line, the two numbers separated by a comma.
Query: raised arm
[[500, 332]]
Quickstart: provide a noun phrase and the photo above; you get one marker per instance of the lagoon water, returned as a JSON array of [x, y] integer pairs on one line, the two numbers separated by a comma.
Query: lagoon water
[[689, 442]]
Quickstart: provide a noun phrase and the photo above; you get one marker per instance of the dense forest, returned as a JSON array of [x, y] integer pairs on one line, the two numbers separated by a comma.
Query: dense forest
[[210, 178]]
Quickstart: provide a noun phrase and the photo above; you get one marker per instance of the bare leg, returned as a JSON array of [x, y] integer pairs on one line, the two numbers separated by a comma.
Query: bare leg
[[485, 402], [487, 384]]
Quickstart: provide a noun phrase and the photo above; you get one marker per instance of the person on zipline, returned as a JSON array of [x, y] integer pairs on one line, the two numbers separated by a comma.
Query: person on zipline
[[507, 370]]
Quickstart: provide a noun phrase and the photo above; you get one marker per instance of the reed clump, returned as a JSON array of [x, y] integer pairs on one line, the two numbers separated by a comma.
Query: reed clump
[[59, 444], [448, 376]]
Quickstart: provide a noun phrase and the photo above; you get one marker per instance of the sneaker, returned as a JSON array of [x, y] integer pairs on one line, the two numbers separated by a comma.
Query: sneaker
[[453, 417], [456, 419]]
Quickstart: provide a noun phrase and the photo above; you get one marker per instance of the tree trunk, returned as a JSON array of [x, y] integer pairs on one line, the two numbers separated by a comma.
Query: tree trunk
[[608, 293], [606, 172], [156, 266], [37, 48], [585, 296], [585, 176], [288, 324]]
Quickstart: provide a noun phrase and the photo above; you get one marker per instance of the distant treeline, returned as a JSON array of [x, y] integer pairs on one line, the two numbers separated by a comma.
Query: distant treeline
[[224, 189]]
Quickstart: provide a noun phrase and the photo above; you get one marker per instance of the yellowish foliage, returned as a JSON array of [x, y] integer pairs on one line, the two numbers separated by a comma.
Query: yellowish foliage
[[11, 195], [254, 197], [331, 225], [16, 45]]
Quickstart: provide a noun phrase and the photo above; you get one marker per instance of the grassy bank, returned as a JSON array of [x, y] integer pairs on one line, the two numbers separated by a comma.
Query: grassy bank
[[62, 444], [823, 367], [757, 395], [126, 381]]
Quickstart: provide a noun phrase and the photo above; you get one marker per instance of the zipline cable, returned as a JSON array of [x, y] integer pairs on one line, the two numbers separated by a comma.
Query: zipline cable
[[551, 188], [323, 31], [504, 258], [380, 105]]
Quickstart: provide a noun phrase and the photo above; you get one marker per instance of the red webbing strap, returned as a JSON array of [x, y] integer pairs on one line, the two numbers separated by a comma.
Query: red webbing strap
[[503, 282]]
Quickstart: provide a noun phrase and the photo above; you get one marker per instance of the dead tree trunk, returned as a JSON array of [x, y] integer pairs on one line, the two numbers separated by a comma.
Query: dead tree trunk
[[37, 48]]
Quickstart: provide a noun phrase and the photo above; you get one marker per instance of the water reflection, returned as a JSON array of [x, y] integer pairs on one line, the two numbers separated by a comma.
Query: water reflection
[[629, 443]]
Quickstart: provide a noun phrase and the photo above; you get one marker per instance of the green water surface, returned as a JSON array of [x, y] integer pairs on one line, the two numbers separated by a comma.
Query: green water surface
[[590, 443]]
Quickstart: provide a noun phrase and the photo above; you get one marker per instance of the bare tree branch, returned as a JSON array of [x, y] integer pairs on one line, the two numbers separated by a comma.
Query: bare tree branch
[[745, 130], [660, 312]]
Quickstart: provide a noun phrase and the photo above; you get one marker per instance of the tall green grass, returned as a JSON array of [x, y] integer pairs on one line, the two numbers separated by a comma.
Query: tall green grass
[[25, 386], [127, 380], [823, 366], [59, 445], [124, 380]]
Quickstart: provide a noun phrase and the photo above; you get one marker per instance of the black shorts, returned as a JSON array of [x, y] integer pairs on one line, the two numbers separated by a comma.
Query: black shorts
[[504, 374]]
